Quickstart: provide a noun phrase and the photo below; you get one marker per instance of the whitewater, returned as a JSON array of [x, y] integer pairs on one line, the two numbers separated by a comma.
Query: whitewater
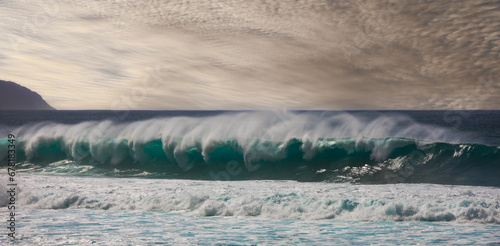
[[245, 177]]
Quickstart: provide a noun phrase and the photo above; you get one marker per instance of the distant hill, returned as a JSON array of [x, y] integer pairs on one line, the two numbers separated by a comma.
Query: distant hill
[[17, 97]]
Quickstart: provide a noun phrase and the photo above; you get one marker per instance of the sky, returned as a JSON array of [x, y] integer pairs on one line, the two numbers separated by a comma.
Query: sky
[[254, 54]]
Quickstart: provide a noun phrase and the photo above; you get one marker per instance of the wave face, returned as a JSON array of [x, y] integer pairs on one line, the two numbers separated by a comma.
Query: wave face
[[259, 145]]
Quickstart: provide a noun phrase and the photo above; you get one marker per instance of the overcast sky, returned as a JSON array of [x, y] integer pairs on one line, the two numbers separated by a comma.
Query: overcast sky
[[262, 54]]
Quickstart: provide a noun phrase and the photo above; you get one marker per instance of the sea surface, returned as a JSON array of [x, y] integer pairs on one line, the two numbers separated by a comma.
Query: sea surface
[[252, 177]]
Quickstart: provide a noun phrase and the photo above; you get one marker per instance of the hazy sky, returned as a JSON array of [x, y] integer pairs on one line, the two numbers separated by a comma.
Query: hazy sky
[[262, 54]]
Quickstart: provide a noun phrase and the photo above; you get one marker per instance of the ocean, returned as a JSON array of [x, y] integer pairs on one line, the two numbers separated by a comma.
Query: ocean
[[250, 177]]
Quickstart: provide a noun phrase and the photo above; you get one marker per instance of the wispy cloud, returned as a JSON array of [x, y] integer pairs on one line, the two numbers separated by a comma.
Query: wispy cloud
[[254, 54]]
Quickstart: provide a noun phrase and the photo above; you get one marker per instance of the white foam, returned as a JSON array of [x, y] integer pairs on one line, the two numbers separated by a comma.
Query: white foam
[[268, 199]]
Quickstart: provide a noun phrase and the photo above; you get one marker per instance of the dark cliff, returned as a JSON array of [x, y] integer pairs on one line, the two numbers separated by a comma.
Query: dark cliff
[[17, 97]]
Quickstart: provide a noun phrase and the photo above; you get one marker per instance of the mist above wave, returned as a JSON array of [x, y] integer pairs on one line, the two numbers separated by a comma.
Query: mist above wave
[[179, 134]]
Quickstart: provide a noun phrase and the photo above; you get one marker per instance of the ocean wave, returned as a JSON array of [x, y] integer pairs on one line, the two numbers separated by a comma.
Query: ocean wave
[[339, 148]]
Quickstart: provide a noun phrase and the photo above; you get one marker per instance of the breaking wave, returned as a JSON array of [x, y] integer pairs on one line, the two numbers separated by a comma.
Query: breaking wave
[[304, 147]]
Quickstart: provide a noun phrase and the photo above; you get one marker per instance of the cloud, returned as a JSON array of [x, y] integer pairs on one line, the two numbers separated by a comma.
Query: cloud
[[255, 54]]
